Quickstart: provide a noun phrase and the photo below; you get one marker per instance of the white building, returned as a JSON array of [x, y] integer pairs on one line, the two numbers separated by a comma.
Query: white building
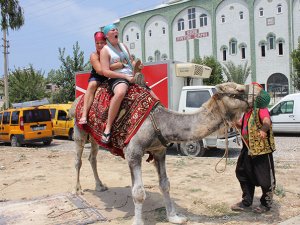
[[260, 32]]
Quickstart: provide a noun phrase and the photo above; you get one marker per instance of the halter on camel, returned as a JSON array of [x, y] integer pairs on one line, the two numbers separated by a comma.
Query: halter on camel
[[261, 101]]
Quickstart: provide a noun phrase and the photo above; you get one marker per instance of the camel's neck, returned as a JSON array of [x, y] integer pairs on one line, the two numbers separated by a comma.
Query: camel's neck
[[177, 127]]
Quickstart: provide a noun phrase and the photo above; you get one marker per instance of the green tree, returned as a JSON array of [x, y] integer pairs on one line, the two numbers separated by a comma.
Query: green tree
[[11, 17], [237, 74], [296, 64], [27, 85], [216, 74], [64, 77]]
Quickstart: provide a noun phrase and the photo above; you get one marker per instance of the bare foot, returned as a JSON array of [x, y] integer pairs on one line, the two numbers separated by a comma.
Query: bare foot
[[82, 120]]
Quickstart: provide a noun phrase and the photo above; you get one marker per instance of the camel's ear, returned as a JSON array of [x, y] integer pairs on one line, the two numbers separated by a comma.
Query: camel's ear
[[218, 87]]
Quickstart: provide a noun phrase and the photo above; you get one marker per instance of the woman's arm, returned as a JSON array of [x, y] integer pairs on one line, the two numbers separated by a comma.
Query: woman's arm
[[104, 60], [95, 62]]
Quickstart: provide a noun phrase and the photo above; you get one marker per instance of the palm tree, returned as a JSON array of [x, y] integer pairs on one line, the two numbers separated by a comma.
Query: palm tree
[[237, 74], [11, 17]]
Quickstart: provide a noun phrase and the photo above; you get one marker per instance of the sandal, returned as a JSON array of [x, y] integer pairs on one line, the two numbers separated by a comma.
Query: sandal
[[82, 121], [261, 209], [137, 68], [240, 207], [138, 76], [105, 138]]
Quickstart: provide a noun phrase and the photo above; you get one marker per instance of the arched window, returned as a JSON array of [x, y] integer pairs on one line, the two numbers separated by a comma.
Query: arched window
[[223, 19], [192, 18], [127, 38], [271, 40], [261, 12], [242, 47], [150, 33], [157, 55], [150, 59], [164, 30], [137, 36], [278, 85], [224, 52], [241, 15], [203, 20], [262, 44], [180, 24], [164, 56], [279, 8], [280, 48], [233, 46]]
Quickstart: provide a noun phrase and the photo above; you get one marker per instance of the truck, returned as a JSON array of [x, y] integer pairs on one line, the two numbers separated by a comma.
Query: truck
[[179, 87]]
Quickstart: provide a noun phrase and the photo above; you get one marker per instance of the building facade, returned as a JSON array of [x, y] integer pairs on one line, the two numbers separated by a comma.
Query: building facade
[[260, 32]]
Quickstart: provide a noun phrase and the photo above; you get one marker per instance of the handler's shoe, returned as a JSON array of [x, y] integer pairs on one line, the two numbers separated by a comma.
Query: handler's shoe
[[261, 209], [138, 76], [240, 207]]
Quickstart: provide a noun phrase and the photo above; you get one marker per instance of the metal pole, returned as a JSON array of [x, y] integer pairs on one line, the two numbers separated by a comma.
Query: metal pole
[[5, 78]]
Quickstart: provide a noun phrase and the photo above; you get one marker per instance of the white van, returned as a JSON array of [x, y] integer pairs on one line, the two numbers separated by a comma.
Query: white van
[[191, 99], [285, 114]]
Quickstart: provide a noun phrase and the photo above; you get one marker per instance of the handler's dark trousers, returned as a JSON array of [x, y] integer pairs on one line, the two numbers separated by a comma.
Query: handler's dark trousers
[[256, 171]]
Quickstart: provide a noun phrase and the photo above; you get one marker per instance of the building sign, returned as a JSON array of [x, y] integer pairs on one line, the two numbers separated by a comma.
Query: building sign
[[270, 21], [192, 34]]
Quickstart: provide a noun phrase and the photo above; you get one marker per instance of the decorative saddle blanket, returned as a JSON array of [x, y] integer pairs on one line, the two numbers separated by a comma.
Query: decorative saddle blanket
[[134, 109]]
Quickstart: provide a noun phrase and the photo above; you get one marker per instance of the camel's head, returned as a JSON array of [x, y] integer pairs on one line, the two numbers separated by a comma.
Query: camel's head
[[238, 98]]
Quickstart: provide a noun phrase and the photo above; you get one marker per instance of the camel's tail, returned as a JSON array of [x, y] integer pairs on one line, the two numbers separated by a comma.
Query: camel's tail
[[72, 110]]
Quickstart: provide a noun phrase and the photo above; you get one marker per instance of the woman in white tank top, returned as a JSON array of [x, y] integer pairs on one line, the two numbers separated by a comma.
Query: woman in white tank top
[[120, 79]]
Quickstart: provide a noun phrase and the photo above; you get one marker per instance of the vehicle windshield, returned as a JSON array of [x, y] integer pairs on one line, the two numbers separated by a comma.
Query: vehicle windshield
[[36, 115], [195, 99]]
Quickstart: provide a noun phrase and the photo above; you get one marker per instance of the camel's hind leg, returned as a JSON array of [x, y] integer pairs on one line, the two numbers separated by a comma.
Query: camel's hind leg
[[93, 161], [79, 139], [160, 164], [138, 191]]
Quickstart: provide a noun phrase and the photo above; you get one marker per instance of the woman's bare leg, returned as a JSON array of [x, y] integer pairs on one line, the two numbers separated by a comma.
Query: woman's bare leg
[[119, 93], [88, 100]]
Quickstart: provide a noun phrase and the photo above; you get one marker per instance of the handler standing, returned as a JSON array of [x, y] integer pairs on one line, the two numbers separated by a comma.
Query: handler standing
[[255, 167]]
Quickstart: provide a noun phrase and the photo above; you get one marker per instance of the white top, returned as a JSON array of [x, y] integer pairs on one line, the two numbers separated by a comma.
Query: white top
[[116, 56]]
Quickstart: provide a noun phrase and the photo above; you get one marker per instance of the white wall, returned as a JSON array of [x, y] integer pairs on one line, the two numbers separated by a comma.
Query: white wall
[[180, 46], [134, 45], [272, 62], [158, 40], [234, 27]]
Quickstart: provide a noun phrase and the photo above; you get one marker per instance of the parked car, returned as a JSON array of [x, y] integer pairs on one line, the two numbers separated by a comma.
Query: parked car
[[285, 114], [26, 125], [63, 125]]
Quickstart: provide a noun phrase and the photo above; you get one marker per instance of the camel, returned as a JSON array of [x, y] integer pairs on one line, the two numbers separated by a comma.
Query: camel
[[230, 101]]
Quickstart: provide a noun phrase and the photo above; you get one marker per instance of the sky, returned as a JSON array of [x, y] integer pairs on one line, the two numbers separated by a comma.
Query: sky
[[53, 24]]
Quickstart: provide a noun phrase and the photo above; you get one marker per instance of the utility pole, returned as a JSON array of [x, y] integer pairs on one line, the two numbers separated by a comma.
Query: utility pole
[[5, 78]]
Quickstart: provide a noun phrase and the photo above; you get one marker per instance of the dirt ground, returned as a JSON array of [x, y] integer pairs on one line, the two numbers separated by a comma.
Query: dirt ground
[[199, 192]]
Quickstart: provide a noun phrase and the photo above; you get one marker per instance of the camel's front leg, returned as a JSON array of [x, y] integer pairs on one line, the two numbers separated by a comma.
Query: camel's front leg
[[160, 164], [93, 162], [138, 191], [79, 138]]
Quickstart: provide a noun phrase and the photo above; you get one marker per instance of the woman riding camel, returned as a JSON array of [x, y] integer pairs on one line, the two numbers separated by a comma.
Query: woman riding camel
[[119, 79], [95, 78]]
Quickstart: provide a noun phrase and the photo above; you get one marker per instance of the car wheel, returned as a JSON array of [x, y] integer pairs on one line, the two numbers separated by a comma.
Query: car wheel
[[192, 148], [71, 135], [14, 142], [47, 142]]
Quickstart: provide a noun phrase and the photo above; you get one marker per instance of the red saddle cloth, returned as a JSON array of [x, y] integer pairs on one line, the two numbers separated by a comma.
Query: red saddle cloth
[[134, 109]]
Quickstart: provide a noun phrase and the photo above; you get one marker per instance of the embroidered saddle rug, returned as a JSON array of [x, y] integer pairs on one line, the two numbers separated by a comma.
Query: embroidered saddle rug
[[134, 109]]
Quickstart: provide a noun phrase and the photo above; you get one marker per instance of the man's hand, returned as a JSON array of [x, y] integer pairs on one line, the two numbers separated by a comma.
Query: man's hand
[[262, 134]]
